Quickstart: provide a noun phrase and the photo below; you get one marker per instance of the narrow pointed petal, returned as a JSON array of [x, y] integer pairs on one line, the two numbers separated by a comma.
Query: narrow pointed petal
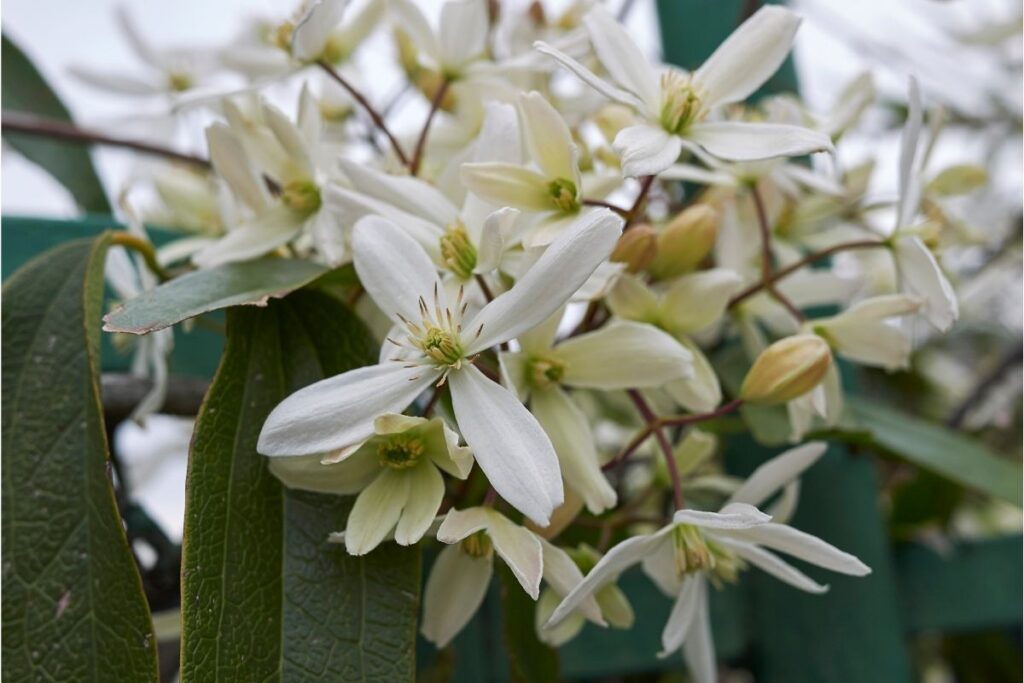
[[632, 299], [339, 411], [562, 269], [921, 276], [412, 20], [547, 137], [573, 440], [274, 227], [232, 163], [496, 231], [564, 632], [460, 524], [563, 575], [702, 392], [521, 551], [542, 337], [411, 195], [454, 573], [742, 141], [646, 150], [803, 546], [602, 86], [699, 299], [426, 489], [624, 355], [699, 648], [622, 58], [309, 472], [778, 472], [682, 616], [350, 206], [732, 516], [660, 567], [748, 57], [773, 564], [509, 445], [909, 191], [463, 32], [290, 138], [311, 33], [393, 268], [508, 185], [376, 511]]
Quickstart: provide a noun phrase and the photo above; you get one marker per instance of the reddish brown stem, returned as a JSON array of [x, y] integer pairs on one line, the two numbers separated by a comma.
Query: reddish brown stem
[[666, 448], [638, 204], [375, 116], [767, 258], [421, 143]]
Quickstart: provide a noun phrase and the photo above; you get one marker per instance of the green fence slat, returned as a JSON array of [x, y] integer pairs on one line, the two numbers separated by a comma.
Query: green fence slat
[[196, 351], [971, 586]]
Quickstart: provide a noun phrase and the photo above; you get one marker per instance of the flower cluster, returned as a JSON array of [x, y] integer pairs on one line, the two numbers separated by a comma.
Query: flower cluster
[[549, 259]]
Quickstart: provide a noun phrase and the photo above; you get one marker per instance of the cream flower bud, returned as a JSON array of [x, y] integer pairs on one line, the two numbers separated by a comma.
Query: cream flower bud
[[637, 247], [787, 369], [685, 241]]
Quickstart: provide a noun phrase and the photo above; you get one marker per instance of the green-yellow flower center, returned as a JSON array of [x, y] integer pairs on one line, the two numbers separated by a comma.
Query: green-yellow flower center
[[680, 102], [179, 82], [542, 372], [301, 196], [694, 552], [400, 451], [457, 251], [334, 51], [442, 346], [477, 544], [563, 195], [281, 36]]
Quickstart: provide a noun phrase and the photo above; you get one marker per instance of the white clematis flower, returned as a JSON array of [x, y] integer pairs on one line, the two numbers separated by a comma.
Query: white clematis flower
[[864, 334], [466, 565], [396, 472], [714, 546], [437, 345], [621, 355], [676, 105]]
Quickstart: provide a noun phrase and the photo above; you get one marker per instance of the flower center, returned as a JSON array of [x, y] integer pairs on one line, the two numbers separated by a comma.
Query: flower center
[[441, 345], [400, 452], [335, 50], [457, 252], [680, 102], [563, 195], [694, 552], [437, 335], [477, 545], [282, 36], [301, 196], [543, 372], [179, 82]]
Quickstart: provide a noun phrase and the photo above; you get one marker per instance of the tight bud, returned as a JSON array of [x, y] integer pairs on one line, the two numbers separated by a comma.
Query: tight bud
[[685, 241], [636, 248], [787, 369]]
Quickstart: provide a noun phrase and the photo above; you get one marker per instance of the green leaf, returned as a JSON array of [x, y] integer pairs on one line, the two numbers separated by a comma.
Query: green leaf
[[73, 606], [937, 449], [26, 91], [266, 597], [529, 659], [202, 291]]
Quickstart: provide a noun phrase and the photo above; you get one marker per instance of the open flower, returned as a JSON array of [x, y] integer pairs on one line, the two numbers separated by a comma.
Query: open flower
[[676, 105], [698, 547], [437, 345], [397, 473], [864, 334], [621, 355]]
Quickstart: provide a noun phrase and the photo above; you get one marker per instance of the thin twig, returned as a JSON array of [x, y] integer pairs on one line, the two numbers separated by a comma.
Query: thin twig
[[375, 116], [421, 143], [1010, 359], [767, 258], [29, 124], [666, 448], [608, 205], [484, 288], [638, 204], [432, 401]]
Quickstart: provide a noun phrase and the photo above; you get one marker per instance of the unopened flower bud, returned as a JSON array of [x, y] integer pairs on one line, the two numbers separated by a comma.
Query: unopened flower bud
[[301, 196], [787, 369], [636, 248], [686, 241]]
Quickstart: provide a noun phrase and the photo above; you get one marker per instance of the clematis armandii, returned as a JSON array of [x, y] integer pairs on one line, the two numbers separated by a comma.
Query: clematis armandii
[[437, 345]]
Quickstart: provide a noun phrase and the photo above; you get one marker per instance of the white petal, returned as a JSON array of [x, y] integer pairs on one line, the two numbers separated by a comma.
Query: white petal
[[622, 58], [593, 80], [376, 511], [564, 632], [497, 229], [350, 206], [312, 32], [499, 135], [701, 393], [290, 138], [520, 549], [339, 411], [139, 44], [329, 237], [660, 567], [232, 163], [563, 575], [699, 648], [646, 150], [547, 137], [411, 195], [541, 338], [908, 189], [732, 516], [620, 558], [748, 57], [463, 32], [393, 268], [681, 618], [508, 185], [509, 445], [699, 175], [426, 489], [623, 355], [454, 573], [778, 472], [121, 84], [460, 524], [921, 276], [773, 564], [413, 22], [563, 267], [268, 231], [309, 473], [699, 299], [741, 141], [573, 441], [803, 546], [632, 299]]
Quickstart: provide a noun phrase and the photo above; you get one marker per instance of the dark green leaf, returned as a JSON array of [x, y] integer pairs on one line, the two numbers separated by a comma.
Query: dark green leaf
[[266, 597], [202, 291], [529, 659], [26, 91], [73, 606], [938, 449]]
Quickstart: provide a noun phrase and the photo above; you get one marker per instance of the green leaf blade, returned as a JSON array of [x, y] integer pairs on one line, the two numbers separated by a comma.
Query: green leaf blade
[[73, 604], [233, 284]]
